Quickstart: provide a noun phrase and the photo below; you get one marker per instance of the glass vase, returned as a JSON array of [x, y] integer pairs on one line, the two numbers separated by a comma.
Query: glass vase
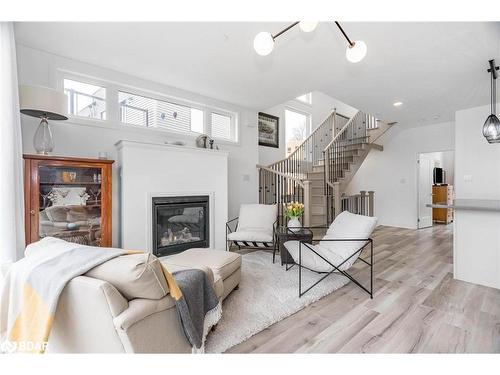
[[43, 141]]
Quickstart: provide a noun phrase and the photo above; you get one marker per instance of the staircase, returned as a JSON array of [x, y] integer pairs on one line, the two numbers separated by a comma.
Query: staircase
[[320, 169]]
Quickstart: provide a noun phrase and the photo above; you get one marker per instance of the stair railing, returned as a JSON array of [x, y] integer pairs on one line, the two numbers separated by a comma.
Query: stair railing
[[310, 152], [280, 188], [360, 204], [338, 154], [286, 180]]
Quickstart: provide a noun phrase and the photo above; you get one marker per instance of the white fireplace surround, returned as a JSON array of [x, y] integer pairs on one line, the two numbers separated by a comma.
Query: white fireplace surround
[[150, 170]]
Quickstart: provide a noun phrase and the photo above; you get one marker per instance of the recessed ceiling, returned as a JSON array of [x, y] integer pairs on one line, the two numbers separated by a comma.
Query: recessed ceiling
[[434, 68]]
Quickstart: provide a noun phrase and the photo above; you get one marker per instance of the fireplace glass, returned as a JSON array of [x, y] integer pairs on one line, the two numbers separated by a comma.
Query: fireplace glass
[[180, 223]]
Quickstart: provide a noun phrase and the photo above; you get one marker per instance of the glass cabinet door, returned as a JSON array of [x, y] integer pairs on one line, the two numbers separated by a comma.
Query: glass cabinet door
[[70, 203]]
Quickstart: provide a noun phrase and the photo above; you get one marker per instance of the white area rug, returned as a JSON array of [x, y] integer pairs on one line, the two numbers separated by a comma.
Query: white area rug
[[267, 294]]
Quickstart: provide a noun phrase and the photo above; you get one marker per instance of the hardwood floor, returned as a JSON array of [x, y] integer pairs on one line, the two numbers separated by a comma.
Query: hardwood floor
[[417, 308]]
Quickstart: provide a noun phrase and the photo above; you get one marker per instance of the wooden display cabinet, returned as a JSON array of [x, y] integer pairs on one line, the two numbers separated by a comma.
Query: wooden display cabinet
[[68, 198]]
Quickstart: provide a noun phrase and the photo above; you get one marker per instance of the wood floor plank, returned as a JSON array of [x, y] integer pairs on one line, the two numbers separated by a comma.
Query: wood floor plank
[[418, 307]]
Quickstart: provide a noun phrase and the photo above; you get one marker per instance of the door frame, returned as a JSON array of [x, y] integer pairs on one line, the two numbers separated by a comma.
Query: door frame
[[417, 177]]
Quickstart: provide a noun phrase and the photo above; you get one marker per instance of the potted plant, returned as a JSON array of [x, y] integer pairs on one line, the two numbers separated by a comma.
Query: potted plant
[[293, 211]]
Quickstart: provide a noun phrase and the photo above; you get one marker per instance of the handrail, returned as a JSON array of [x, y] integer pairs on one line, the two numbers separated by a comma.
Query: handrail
[[341, 132], [314, 132], [298, 180]]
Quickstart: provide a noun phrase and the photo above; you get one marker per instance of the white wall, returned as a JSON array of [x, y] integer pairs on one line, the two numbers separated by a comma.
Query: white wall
[[477, 171], [40, 68], [392, 173], [322, 106]]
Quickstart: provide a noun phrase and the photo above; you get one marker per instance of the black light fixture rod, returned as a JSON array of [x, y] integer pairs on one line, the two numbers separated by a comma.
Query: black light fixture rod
[[493, 69], [285, 29], [343, 33]]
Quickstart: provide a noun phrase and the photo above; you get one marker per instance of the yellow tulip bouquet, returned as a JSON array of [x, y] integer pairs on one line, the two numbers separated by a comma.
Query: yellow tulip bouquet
[[294, 210]]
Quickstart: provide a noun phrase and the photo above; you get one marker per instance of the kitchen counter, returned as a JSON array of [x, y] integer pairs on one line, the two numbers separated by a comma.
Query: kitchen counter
[[470, 204]]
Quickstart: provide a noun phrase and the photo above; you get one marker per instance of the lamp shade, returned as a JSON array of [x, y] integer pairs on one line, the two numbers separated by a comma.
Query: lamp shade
[[40, 101], [356, 52], [491, 129], [263, 43]]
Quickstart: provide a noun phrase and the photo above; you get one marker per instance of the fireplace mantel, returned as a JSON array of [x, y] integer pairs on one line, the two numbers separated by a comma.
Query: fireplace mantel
[[154, 169], [141, 145]]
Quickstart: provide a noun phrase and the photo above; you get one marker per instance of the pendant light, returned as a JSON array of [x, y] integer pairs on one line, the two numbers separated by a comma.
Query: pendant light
[[308, 26], [263, 42], [491, 127], [355, 51]]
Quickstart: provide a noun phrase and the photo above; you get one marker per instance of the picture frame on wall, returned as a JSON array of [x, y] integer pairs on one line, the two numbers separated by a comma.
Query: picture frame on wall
[[268, 130]]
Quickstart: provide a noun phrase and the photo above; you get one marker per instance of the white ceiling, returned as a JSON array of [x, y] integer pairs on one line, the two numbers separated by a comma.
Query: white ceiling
[[433, 68]]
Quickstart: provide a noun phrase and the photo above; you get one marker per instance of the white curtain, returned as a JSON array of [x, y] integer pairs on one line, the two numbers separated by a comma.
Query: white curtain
[[11, 164]]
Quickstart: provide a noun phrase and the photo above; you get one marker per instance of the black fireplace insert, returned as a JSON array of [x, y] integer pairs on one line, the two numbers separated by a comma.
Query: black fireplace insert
[[180, 223]]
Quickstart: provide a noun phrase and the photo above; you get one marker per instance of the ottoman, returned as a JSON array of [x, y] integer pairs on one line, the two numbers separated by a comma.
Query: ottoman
[[225, 266]]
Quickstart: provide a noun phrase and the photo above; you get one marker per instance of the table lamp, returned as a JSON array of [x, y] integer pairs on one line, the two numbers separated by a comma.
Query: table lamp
[[44, 103]]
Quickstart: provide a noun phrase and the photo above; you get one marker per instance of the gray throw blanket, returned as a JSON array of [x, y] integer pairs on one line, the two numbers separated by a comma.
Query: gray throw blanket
[[199, 308]]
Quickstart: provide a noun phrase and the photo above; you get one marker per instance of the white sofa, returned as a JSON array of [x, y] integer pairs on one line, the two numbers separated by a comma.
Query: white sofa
[[123, 305]]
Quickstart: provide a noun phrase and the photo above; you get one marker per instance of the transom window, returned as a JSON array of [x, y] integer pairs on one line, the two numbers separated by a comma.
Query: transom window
[[89, 100], [143, 111], [221, 126], [85, 100]]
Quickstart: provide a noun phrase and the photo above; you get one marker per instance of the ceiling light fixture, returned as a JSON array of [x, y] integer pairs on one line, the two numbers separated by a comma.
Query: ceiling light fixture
[[356, 51], [308, 26], [397, 104], [263, 42], [491, 127]]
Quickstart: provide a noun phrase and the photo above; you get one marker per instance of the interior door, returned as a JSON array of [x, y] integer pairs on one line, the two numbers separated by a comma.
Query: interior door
[[425, 167]]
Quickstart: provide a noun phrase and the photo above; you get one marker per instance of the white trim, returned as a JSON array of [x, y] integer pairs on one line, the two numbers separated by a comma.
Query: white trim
[[417, 179]]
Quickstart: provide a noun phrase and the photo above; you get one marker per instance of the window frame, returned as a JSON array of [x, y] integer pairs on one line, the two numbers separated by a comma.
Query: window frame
[[112, 109], [301, 112], [233, 131], [91, 81]]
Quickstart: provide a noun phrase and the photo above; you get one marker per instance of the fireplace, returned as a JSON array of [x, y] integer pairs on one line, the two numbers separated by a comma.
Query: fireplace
[[180, 223]]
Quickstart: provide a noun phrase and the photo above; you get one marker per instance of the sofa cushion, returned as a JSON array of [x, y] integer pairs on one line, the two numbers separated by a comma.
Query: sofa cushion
[[257, 216], [251, 235], [221, 262], [135, 276]]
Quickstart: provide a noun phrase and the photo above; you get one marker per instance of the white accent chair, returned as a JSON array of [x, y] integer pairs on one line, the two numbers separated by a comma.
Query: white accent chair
[[255, 227], [342, 245]]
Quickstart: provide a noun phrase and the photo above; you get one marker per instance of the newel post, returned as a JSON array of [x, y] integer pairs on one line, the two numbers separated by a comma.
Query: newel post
[[307, 203], [370, 202], [337, 199], [362, 203]]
